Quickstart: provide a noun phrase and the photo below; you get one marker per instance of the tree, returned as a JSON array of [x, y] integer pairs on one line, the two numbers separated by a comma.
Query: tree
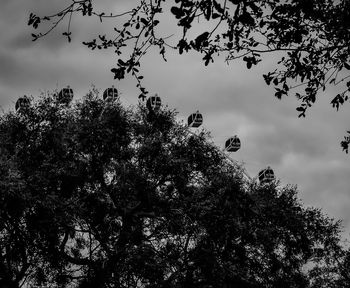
[[97, 195], [310, 37]]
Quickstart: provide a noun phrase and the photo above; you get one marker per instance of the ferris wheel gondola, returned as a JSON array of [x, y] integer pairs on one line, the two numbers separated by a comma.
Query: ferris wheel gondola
[[266, 175], [153, 103], [233, 144], [65, 96], [195, 120], [110, 94], [22, 103]]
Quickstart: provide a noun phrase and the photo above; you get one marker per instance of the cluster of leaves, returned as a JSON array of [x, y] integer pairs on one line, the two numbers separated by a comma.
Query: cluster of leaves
[[96, 195], [313, 37]]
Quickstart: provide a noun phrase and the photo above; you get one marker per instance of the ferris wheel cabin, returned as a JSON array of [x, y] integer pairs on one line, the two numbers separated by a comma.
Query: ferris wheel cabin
[[22, 103], [232, 144], [110, 94], [195, 120], [65, 96], [266, 175], [154, 103]]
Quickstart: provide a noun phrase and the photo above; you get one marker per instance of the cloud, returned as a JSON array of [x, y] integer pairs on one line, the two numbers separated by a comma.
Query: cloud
[[232, 99]]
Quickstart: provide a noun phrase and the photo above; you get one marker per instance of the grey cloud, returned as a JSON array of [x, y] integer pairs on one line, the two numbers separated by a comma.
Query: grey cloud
[[233, 100]]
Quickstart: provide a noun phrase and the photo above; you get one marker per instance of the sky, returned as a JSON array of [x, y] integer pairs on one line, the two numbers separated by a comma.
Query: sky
[[233, 100]]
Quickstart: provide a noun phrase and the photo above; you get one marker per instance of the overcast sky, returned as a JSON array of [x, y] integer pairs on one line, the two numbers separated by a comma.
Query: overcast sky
[[232, 99]]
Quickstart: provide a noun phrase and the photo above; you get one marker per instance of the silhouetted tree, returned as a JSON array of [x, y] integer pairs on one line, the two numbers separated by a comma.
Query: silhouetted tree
[[97, 195], [309, 37]]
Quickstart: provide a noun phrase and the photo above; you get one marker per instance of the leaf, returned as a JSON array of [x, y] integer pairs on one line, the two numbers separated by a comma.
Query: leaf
[[119, 73], [336, 101], [347, 66], [178, 12], [218, 7], [121, 62], [278, 94], [215, 16], [246, 18], [208, 57], [142, 97], [207, 12], [183, 45], [144, 21], [200, 40]]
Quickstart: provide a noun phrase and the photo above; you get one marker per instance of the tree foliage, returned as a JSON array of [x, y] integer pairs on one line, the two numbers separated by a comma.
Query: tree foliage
[[311, 37], [97, 195]]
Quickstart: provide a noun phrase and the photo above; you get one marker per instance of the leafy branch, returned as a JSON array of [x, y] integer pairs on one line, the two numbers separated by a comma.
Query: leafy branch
[[312, 38]]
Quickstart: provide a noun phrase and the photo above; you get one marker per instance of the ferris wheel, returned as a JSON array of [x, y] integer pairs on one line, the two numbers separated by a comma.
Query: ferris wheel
[[153, 103]]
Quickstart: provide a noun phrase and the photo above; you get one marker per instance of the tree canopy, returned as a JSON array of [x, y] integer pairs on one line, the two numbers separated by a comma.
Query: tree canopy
[[94, 194], [310, 38]]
